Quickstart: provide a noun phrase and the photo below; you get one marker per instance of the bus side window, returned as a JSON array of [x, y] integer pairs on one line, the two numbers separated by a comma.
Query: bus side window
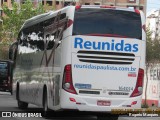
[[32, 39], [49, 41], [13, 51]]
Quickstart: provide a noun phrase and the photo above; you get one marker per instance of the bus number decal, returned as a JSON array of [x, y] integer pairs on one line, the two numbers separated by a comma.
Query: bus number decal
[[127, 89], [83, 86]]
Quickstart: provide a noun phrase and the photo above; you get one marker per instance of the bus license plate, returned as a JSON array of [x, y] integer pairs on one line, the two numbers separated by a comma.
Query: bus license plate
[[103, 103]]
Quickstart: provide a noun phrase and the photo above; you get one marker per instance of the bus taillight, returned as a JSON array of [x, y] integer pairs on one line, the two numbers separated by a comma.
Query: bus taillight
[[137, 11], [144, 27], [139, 85], [78, 7], [69, 23], [67, 84], [104, 6]]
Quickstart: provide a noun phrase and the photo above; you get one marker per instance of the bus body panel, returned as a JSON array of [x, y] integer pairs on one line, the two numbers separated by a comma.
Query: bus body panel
[[95, 80], [33, 72], [98, 81], [103, 68], [104, 78], [88, 103]]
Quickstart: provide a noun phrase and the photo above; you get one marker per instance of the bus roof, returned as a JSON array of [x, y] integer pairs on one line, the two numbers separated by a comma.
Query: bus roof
[[35, 19], [39, 18], [48, 15], [107, 7]]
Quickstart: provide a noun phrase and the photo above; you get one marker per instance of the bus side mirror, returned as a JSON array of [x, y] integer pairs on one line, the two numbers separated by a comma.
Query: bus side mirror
[[13, 51]]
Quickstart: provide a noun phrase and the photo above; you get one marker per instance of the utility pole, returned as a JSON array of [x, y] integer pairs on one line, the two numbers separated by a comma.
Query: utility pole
[[102, 2], [157, 33], [115, 2]]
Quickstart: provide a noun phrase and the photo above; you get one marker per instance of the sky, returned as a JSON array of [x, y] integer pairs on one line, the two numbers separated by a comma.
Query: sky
[[152, 5]]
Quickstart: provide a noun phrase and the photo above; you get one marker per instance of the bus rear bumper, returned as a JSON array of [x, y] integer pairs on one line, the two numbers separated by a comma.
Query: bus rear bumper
[[5, 88], [88, 103]]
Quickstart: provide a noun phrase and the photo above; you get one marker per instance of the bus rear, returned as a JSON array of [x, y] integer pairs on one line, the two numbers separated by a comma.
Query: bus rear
[[107, 60]]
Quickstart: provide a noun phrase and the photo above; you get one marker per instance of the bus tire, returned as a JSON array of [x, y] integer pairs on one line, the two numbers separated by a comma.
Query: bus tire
[[21, 105], [45, 104], [11, 92], [107, 117]]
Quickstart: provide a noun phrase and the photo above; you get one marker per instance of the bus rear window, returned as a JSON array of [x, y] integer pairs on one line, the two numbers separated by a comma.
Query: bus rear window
[[3, 69], [107, 22]]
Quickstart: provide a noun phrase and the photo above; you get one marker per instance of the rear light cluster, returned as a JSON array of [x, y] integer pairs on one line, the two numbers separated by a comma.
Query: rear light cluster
[[78, 7], [144, 27], [137, 11], [69, 23], [104, 6], [67, 84], [134, 102], [139, 85]]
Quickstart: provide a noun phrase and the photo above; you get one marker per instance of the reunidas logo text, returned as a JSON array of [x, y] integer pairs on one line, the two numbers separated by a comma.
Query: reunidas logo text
[[114, 46]]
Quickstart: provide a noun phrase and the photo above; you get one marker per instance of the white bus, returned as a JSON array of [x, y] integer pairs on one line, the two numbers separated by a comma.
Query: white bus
[[85, 58]]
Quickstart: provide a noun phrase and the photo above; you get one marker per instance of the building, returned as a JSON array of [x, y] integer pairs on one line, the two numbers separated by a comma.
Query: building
[[137, 4], [153, 23], [50, 4], [57, 4], [152, 86], [6, 2]]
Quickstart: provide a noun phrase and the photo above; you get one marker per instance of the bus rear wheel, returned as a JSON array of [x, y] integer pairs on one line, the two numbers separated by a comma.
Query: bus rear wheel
[[45, 105], [107, 117], [11, 92], [22, 105]]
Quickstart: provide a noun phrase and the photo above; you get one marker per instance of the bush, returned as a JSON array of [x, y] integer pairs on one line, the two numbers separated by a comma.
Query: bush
[[145, 105]]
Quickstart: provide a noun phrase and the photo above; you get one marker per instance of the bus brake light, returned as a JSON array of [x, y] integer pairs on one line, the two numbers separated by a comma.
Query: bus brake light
[[67, 84], [104, 6], [69, 23], [139, 85], [78, 7], [72, 99], [144, 27], [134, 102], [137, 11]]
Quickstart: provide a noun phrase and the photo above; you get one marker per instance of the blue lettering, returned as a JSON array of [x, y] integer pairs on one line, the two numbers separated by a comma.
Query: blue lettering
[[128, 47], [112, 46], [135, 48], [98, 47], [88, 45], [78, 41], [119, 46], [105, 46]]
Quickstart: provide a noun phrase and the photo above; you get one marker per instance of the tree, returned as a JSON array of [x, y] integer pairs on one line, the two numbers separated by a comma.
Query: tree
[[149, 59], [152, 57], [14, 19]]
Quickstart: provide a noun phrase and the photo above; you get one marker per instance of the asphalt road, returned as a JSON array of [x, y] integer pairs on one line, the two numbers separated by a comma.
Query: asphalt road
[[7, 103]]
